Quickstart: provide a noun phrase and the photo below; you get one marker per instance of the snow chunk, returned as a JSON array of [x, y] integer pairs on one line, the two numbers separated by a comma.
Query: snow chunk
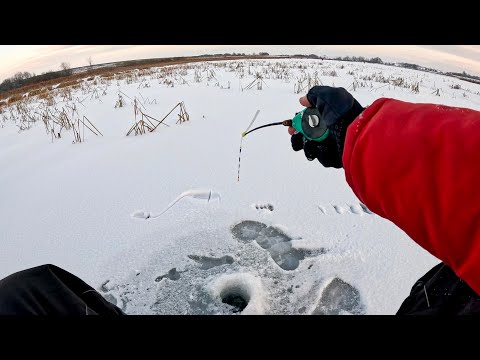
[[140, 214]]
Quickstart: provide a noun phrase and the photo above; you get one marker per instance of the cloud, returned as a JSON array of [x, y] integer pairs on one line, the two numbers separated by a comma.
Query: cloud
[[470, 52]]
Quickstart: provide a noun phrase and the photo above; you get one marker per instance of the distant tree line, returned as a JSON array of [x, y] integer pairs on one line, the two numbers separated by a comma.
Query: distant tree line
[[25, 78], [465, 76], [227, 54], [374, 60], [17, 80]]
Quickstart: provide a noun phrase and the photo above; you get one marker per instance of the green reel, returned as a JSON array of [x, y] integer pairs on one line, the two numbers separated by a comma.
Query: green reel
[[309, 123]]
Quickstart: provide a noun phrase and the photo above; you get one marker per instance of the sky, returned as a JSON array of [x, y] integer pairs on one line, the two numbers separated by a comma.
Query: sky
[[41, 58]]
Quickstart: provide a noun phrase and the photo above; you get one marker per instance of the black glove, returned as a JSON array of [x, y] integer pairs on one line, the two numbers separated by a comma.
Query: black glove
[[338, 109], [325, 151]]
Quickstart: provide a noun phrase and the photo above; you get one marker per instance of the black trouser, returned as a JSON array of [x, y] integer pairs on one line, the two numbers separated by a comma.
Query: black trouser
[[441, 292], [50, 290]]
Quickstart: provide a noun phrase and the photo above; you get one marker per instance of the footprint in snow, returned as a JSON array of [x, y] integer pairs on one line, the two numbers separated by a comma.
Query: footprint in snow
[[260, 206], [359, 209], [207, 262], [277, 243], [172, 274], [339, 298]]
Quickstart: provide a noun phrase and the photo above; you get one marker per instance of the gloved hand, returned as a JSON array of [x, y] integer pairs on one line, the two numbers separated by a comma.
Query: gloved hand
[[338, 109], [325, 151]]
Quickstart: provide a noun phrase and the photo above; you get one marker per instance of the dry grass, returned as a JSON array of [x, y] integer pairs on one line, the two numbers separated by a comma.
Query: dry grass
[[110, 72]]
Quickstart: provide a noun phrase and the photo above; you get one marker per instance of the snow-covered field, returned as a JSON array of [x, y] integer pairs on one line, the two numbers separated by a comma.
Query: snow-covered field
[[289, 238]]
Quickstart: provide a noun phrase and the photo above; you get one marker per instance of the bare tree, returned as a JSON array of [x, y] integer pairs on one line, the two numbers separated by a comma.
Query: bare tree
[[90, 61], [65, 67]]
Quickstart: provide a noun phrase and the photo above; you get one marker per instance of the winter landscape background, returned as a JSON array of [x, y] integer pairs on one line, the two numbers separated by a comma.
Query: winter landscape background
[[289, 238]]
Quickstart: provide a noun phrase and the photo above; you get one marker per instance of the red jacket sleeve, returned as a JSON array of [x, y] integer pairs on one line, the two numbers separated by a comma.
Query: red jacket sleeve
[[418, 165]]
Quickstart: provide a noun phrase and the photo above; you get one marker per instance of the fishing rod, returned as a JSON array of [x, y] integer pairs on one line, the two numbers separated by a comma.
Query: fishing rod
[[284, 123], [308, 122]]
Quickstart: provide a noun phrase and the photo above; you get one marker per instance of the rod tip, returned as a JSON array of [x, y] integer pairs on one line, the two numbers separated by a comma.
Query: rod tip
[[243, 134]]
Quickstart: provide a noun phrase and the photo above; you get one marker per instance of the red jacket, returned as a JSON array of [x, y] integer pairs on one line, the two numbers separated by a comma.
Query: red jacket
[[418, 165]]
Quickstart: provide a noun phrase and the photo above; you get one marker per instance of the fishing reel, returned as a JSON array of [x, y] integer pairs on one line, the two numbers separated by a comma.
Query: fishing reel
[[309, 122]]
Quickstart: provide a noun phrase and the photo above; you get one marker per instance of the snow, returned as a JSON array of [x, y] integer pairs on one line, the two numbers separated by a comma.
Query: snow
[[193, 193], [77, 205]]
